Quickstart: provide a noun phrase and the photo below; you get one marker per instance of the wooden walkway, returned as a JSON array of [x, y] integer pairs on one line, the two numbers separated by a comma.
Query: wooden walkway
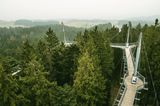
[[131, 89]]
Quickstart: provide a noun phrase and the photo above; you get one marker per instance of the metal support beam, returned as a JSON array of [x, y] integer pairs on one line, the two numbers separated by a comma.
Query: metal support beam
[[64, 34], [138, 54], [127, 43]]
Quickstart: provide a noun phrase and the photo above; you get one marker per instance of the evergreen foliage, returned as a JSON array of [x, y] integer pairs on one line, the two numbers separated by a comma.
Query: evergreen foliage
[[89, 83], [87, 73]]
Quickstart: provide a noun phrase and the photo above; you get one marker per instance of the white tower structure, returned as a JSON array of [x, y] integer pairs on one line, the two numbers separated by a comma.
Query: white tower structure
[[64, 37]]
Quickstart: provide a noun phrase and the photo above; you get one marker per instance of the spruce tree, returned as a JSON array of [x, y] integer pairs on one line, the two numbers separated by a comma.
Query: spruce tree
[[89, 83], [8, 88], [51, 39], [156, 22], [34, 85], [27, 52]]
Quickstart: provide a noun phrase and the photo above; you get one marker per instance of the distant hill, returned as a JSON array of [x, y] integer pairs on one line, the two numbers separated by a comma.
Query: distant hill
[[134, 22], [117, 23], [27, 23], [103, 27], [80, 23], [85, 23], [6, 23], [35, 23], [37, 32], [149, 18]]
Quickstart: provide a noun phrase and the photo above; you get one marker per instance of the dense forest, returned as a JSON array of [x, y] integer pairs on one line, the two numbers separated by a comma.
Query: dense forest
[[37, 69]]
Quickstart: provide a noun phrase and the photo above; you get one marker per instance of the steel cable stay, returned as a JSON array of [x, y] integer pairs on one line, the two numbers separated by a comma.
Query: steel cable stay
[[114, 36], [145, 71], [152, 81]]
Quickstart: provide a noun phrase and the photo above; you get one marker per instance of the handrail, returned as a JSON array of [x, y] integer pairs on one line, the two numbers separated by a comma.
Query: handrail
[[141, 77], [134, 43], [118, 94], [119, 91], [125, 89], [125, 43]]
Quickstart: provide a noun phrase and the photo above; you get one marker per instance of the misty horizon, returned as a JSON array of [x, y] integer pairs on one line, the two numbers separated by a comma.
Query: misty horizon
[[145, 18], [77, 9]]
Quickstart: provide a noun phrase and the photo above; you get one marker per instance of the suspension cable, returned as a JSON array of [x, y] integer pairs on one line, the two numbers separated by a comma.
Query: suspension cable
[[114, 36], [153, 84]]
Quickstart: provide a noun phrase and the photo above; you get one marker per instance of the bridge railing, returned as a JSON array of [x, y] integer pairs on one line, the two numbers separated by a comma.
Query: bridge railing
[[125, 89], [122, 90], [121, 93], [141, 77], [124, 44], [134, 43]]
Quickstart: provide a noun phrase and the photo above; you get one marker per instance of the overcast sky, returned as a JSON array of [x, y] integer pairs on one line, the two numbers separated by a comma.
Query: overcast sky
[[77, 9]]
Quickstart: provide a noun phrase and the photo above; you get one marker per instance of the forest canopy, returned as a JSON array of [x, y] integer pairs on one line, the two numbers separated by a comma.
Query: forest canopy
[[38, 69]]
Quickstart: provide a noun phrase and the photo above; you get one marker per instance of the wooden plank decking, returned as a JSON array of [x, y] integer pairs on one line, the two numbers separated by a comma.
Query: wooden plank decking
[[130, 93]]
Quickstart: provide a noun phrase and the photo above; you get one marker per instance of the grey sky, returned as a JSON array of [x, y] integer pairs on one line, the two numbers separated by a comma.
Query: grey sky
[[77, 9]]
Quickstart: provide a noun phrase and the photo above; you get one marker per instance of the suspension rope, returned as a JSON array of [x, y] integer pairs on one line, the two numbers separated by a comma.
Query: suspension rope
[[153, 84], [114, 36], [120, 61]]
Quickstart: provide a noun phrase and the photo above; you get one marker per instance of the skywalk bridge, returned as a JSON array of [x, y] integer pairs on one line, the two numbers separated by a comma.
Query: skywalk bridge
[[133, 81]]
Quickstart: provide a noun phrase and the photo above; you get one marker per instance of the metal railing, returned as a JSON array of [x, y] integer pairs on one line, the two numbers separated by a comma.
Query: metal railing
[[122, 90], [141, 77], [120, 95], [134, 43], [125, 89]]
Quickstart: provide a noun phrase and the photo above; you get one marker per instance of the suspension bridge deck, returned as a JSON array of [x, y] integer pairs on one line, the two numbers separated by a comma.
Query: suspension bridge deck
[[131, 89]]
